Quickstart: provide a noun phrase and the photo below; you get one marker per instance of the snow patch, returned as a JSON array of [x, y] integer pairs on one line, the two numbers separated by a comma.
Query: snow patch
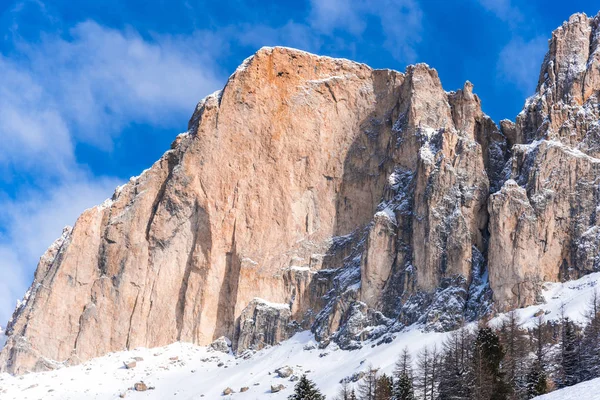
[[277, 306]]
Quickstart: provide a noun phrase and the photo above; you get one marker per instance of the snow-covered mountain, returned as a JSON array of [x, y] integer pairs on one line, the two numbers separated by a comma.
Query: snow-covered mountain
[[190, 372], [322, 215]]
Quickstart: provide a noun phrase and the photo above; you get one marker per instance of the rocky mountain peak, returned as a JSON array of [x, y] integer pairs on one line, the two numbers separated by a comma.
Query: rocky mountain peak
[[566, 94], [318, 193]]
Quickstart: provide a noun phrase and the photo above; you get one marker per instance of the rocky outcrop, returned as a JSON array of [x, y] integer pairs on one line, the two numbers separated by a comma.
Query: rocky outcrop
[[318, 193], [543, 224], [262, 324]]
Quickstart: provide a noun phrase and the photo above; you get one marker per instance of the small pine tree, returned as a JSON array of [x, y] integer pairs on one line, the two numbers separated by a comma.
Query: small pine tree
[[488, 355], [403, 388], [403, 377], [306, 390], [537, 382], [569, 364]]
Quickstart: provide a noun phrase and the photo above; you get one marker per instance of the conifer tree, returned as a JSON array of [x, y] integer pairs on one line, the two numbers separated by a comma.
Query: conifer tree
[[306, 390], [537, 383], [569, 356], [590, 350], [403, 377], [403, 388], [488, 353]]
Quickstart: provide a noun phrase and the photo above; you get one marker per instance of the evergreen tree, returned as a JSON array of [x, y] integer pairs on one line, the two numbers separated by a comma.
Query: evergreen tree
[[536, 379], [403, 377], [488, 354], [353, 395], [569, 356], [403, 388], [590, 351], [383, 389], [537, 383], [306, 390]]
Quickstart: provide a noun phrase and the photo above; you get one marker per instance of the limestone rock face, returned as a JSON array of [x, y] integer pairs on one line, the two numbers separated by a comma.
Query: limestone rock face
[[244, 205], [543, 224], [318, 193]]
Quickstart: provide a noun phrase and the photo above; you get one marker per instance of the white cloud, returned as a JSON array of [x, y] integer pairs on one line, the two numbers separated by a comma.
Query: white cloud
[[328, 15], [104, 79], [401, 23], [82, 88], [519, 62], [399, 20], [32, 130], [503, 9]]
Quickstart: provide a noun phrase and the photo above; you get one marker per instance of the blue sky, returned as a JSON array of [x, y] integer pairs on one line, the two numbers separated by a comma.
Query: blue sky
[[93, 92]]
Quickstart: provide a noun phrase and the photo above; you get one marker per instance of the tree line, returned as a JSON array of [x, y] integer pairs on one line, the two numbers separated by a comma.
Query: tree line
[[501, 362]]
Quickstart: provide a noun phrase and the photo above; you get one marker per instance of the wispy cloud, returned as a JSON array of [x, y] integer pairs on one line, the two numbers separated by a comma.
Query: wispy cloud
[[504, 10], [329, 15], [400, 22], [520, 59], [519, 62], [105, 79], [83, 87]]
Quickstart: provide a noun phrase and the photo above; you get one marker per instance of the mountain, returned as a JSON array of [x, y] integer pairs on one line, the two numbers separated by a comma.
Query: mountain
[[319, 194]]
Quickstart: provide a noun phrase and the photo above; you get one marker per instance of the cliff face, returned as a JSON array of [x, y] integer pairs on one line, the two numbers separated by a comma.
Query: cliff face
[[543, 221], [318, 193]]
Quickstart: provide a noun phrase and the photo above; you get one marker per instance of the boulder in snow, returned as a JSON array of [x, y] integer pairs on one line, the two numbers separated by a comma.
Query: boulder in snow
[[284, 372], [277, 388]]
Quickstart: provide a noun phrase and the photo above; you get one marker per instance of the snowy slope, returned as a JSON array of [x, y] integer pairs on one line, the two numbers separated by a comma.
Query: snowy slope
[[197, 373], [589, 390], [574, 295]]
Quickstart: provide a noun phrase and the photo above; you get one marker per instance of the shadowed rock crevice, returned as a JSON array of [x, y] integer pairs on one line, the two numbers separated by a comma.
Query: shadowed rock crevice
[[229, 291], [201, 241]]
